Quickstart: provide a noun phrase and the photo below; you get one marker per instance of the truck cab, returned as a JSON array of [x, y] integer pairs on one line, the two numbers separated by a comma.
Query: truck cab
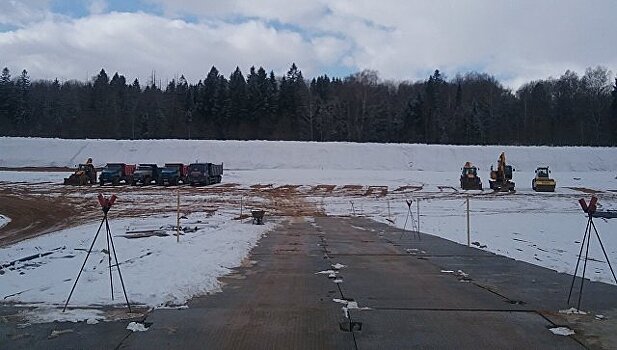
[[145, 174], [115, 173], [173, 173]]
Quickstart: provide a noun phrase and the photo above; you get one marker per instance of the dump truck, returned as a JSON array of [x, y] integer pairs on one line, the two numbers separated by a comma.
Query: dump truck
[[543, 182], [205, 173], [173, 174], [84, 175], [469, 178], [501, 178], [115, 173], [145, 174]]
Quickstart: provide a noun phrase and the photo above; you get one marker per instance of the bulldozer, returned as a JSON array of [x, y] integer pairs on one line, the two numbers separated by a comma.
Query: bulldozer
[[84, 175], [543, 182], [501, 178], [469, 178]]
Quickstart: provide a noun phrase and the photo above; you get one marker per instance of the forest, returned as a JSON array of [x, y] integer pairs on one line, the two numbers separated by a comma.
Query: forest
[[472, 108]]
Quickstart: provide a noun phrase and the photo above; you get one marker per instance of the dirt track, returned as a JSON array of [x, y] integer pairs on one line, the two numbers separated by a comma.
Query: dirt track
[[39, 208]]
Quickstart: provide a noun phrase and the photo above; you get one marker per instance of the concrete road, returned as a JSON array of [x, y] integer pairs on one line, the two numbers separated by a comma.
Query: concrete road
[[405, 299]]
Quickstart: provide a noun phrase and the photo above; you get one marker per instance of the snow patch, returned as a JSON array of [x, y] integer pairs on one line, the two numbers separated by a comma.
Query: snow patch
[[564, 331], [46, 314], [349, 305], [337, 266], [136, 327], [4, 220], [572, 311]]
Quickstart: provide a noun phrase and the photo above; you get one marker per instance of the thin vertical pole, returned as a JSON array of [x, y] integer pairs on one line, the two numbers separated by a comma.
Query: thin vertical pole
[[418, 213], [580, 254], [468, 233], [580, 292], [178, 218], [241, 198], [388, 208], [113, 248], [111, 279], [603, 250]]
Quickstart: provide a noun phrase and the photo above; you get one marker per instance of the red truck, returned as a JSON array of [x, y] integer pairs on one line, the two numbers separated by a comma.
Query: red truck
[[173, 174], [114, 173]]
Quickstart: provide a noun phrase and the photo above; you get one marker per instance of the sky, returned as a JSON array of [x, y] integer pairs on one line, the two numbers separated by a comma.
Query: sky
[[403, 40]]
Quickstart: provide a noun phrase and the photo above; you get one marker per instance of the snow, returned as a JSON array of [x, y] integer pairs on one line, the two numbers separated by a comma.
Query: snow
[[565, 331], [157, 271], [21, 152], [572, 311], [349, 305], [540, 228], [136, 327], [4, 220], [48, 313]]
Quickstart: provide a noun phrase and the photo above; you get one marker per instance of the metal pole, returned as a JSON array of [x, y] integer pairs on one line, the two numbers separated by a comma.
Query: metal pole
[[113, 248], [178, 219], [84, 264], [603, 250], [418, 213], [468, 233], [241, 198], [580, 254]]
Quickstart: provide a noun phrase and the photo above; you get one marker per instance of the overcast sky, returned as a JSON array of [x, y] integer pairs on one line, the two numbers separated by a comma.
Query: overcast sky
[[515, 40]]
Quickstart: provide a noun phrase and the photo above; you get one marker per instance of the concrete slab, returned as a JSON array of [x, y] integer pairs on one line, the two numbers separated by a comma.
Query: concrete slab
[[402, 329]]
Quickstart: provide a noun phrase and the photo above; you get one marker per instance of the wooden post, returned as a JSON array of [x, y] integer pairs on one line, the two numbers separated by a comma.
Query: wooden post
[[468, 233], [388, 208], [178, 219]]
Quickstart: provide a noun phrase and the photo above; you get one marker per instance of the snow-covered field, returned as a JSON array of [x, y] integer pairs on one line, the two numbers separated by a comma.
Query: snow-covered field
[[540, 228], [157, 270]]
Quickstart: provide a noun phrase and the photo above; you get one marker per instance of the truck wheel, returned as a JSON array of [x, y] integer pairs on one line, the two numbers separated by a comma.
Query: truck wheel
[[115, 181], [101, 182]]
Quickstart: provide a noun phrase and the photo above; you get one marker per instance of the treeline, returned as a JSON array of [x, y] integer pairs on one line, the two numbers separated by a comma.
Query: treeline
[[469, 109]]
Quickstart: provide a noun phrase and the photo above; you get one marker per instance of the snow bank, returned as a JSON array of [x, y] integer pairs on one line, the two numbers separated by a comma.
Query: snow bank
[[21, 152]]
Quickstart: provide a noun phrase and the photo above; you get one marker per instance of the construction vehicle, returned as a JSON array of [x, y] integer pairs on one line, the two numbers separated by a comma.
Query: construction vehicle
[[501, 178], [543, 182], [115, 173], [145, 174], [174, 173], [205, 173], [469, 178], [84, 175]]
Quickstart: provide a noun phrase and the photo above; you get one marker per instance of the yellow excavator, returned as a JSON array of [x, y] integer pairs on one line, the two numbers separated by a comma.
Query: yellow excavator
[[501, 178], [84, 175], [543, 182]]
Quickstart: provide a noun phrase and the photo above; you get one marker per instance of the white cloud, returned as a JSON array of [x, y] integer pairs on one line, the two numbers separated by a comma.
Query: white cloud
[[401, 39], [97, 7], [20, 13], [135, 44]]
